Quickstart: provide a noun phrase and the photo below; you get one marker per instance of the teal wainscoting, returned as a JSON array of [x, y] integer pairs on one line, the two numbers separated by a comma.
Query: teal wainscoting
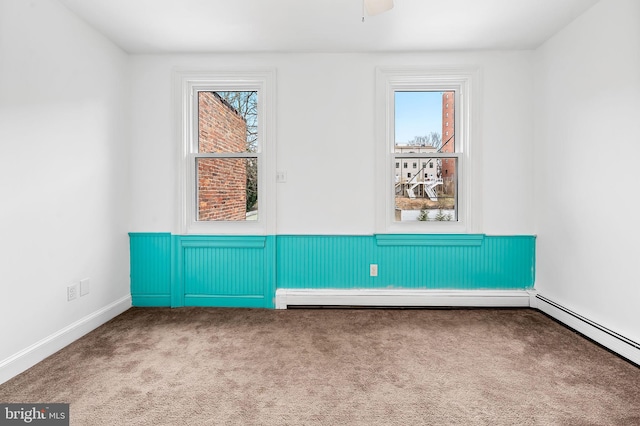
[[232, 271], [460, 262], [175, 270], [244, 271], [150, 257]]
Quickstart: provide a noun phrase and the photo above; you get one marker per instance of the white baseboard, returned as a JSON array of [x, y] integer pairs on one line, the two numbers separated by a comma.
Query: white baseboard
[[402, 297], [611, 340], [30, 356]]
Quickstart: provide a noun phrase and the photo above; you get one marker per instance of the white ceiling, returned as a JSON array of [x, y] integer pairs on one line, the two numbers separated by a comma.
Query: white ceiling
[[162, 26]]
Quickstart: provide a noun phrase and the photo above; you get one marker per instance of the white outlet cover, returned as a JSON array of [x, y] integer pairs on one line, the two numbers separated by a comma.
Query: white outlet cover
[[373, 270], [72, 292]]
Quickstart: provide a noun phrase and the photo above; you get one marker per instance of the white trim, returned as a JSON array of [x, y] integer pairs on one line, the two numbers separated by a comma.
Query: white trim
[[30, 356], [617, 343], [533, 301], [465, 82], [264, 81], [402, 297]]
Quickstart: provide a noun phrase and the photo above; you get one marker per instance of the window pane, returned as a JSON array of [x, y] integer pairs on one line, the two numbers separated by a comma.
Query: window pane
[[424, 119], [227, 189], [227, 122], [430, 194]]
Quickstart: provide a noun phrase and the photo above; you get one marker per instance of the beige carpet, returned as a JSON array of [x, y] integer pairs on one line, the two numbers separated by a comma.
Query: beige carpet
[[194, 366]]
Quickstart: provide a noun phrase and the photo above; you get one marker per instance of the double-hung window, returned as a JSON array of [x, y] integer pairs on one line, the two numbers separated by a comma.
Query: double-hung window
[[226, 157], [425, 118]]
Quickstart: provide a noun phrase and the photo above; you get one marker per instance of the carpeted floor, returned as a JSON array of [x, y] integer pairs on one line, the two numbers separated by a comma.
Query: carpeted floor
[[197, 366]]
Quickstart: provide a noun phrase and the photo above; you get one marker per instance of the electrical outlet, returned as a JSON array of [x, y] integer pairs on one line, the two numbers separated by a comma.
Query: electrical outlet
[[373, 270], [72, 292], [85, 287]]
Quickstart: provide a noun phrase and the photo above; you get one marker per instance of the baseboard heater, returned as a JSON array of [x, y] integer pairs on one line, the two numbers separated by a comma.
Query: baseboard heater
[[608, 338], [402, 298]]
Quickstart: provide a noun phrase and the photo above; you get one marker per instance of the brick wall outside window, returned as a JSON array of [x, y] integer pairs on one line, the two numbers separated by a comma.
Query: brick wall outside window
[[222, 182]]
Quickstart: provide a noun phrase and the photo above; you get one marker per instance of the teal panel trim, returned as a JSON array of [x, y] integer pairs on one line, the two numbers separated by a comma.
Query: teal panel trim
[[150, 266], [224, 242], [342, 262], [148, 301], [325, 261], [429, 239], [271, 277], [500, 263], [223, 271], [225, 301], [177, 267]]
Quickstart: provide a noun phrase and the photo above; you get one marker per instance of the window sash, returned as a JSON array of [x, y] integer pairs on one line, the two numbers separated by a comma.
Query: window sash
[[197, 195], [225, 155], [194, 111], [395, 155]]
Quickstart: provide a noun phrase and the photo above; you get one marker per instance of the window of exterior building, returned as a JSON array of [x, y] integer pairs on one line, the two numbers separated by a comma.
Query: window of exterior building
[[425, 116], [226, 124]]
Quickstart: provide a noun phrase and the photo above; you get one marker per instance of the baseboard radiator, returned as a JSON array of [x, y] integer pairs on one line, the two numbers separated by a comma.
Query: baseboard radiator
[[608, 338], [402, 298]]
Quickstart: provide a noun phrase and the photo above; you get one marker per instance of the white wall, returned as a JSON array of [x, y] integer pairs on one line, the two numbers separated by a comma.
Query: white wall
[[325, 119], [64, 171], [588, 118]]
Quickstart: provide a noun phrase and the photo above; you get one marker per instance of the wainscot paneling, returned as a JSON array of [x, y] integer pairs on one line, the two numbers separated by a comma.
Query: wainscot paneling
[[150, 257], [245, 271], [460, 262]]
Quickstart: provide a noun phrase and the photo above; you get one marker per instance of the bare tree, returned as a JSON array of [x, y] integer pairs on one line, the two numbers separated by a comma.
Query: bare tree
[[433, 139]]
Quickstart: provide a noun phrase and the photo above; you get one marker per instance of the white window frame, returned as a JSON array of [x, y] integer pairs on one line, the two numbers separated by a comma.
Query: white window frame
[[465, 83], [186, 86]]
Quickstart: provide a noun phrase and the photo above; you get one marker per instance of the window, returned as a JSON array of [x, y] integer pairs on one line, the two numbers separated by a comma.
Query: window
[[415, 165], [426, 116], [397, 165], [226, 123]]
